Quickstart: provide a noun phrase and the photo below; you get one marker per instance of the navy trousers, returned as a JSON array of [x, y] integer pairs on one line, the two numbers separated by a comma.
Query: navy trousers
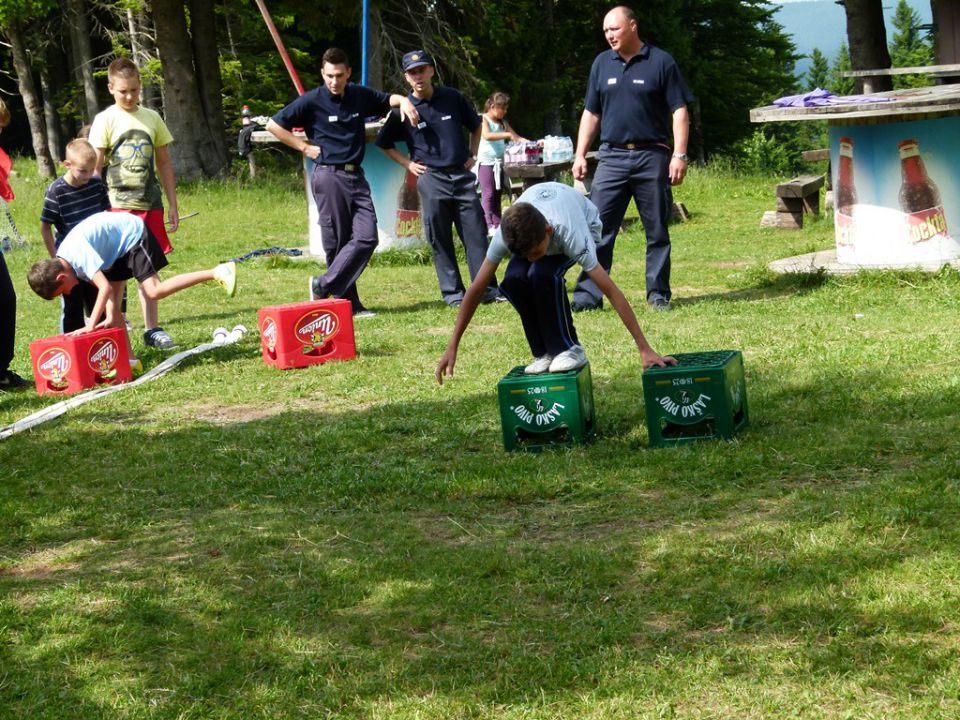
[[449, 199], [644, 176], [348, 229], [8, 316], [538, 292]]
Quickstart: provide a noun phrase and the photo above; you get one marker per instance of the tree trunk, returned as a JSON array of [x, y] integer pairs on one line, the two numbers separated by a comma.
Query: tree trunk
[[79, 29], [31, 102], [375, 58], [181, 98], [52, 120], [213, 151], [551, 121], [867, 40], [141, 47]]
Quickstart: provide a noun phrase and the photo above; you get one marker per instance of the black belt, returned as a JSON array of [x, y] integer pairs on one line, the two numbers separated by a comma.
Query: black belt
[[346, 167], [448, 168], [638, 146]]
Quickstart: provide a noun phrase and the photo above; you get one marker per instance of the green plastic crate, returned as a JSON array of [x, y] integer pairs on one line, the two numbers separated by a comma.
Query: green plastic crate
[[703, 396], [539, 411]]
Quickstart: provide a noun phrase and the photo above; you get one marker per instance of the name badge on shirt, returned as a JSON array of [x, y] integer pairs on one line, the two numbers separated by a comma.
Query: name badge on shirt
[[446, 117], [611, 81], [333, 118], [638, 82]]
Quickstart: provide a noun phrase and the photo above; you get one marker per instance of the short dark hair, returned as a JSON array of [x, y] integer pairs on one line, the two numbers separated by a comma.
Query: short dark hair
[[335, 56], [123, 67], [42, 277], [522, 227]]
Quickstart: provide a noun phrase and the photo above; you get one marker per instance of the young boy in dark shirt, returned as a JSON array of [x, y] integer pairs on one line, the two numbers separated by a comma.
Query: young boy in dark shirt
[[75, 196]]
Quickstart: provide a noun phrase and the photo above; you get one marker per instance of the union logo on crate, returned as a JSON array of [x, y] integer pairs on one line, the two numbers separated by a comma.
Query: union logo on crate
[[684, 404], [53, 365], [315, 329], [102, 357], [538, 414], [268, 330]]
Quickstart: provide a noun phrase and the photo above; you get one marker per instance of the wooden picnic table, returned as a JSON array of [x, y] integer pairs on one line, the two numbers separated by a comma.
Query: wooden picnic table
[[385, 178], [543, 172], [913, 132]]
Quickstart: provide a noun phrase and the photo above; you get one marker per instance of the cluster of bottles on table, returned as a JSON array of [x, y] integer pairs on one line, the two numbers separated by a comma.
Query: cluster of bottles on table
[[531, 152]]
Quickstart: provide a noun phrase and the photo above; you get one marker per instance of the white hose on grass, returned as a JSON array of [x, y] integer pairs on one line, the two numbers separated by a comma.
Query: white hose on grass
[[221, 337]]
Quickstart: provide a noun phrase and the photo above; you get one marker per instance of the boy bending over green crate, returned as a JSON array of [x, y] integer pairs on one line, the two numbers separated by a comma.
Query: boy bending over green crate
[[548, 229]]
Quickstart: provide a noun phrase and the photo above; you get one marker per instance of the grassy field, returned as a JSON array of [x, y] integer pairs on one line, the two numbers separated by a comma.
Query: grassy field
[[351, 541]]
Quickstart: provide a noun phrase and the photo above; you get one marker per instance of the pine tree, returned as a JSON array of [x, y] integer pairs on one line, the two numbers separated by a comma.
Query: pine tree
[[911, 47], [839, 84], [818, 76]]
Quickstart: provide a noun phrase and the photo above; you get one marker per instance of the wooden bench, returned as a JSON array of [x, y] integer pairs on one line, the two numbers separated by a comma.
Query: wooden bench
[[940, 73], [795, 198]]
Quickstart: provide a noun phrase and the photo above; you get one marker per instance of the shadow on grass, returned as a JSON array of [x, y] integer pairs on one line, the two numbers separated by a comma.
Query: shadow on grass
[[296, 562], [766, 286]]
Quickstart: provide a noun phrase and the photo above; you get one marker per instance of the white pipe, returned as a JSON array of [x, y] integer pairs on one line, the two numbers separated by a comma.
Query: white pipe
[[221, 337]]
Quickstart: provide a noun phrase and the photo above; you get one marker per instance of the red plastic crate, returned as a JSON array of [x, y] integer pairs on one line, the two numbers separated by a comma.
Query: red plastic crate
[[66, 364], [307, 333]]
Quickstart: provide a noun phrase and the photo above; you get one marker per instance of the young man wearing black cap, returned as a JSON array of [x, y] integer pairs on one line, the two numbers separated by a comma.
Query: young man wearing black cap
[[441, 159], [333, 117]]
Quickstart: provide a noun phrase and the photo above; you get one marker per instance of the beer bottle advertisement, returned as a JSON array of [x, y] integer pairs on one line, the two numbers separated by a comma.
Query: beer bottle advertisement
[[919, 197], [408, 225], [395, 197], [896, 191], [845, 197]]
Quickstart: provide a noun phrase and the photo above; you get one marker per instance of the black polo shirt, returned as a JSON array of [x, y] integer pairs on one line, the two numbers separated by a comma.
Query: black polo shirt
[[439, 140], [335, 122], [635, 99]]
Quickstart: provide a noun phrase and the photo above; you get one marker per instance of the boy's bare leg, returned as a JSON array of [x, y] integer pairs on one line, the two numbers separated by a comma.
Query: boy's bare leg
[[151, 315], [156, 289], [116, 297]]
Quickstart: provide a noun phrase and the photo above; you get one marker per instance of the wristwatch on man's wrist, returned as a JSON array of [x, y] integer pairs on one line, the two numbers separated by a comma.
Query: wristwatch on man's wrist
[[682, 156]]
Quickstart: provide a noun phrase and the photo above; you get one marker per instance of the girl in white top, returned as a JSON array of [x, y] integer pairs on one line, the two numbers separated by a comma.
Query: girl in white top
[[495, 131]]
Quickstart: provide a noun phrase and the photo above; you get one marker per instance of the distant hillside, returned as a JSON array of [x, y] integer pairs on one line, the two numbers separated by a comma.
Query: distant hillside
[[822, 24]]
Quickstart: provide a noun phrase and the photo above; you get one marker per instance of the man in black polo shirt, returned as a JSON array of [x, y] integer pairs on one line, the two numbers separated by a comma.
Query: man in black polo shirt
[[441, 159], [633, 91], [333, 117]]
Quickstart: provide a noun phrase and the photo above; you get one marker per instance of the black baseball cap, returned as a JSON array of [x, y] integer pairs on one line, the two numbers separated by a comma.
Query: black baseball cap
[[415, 59]]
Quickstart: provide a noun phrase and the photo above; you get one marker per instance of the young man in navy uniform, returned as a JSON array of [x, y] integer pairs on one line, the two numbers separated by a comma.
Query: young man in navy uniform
[[633, 88], [334, 117], [441, 159]]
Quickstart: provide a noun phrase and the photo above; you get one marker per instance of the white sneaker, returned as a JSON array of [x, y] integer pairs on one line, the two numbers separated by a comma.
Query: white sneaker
[[572, 359], [226, 276], [539, 366]]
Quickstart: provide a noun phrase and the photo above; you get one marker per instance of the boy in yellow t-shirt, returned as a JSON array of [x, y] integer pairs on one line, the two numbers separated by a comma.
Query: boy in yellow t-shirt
[[134, 160]]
